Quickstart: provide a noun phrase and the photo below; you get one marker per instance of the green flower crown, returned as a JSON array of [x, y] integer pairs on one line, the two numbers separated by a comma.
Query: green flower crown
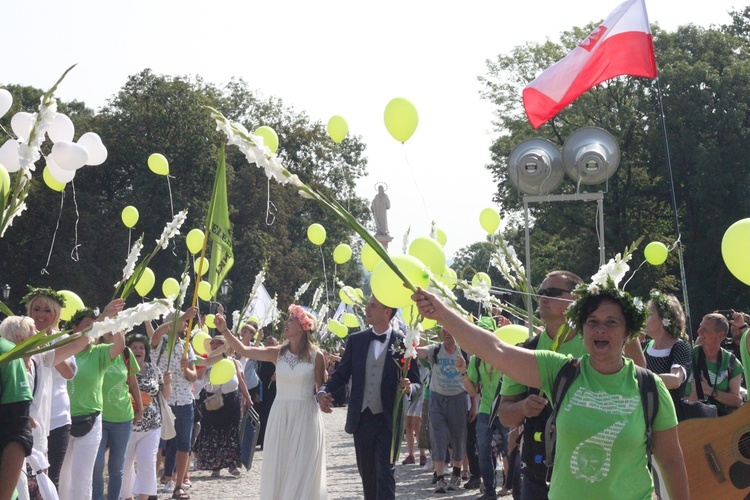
[[47, 292], [668, 319], [78, 316]]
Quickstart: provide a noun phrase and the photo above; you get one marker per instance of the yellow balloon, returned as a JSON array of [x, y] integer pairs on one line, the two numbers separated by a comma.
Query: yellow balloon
[[204, 291], [656, 253], [270, 138], [442, 237], [401, 119], [197, 341], [194, 241], [316, 234], [481, 278], [350, 320], [222, 372], [734, 250], [448, 278], [359, 293], [51, 182], [337, 128], [342, 254], [210, 320], [370, 257], [489, 219], [512, 334], [389, 289], [129, 216], [158, 164], [429, 252], [145, 282], [344, 297], [337, 328], [200, 266], [170, 287], [4, 183], [72, 304]]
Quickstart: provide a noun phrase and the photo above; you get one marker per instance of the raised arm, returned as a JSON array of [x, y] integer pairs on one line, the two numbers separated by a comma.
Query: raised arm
[[258, 353], [117, 346], [517, 362]]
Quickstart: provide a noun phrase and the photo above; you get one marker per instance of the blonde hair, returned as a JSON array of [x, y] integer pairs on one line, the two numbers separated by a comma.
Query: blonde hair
[[16, 329], [54, 306]]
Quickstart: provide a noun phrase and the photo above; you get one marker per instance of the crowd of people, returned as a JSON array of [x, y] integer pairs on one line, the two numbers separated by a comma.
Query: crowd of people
[[144, 404]]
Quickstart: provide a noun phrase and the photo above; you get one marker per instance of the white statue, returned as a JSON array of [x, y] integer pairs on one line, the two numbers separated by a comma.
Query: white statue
[[380, 204]]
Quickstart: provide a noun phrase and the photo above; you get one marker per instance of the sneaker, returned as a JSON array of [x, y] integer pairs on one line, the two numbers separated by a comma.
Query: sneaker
[[465, 475], [428, 464], [455, 483], [422, 460], [408, 460], [216, 473], [168, 487], [235, 471], [473, 483], [435, 478], [441, 486]]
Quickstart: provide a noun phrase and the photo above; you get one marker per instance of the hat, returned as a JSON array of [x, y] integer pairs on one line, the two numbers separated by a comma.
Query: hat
[[207, 342]]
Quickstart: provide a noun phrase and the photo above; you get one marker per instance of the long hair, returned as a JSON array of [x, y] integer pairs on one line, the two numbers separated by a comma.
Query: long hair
[[307, 342]]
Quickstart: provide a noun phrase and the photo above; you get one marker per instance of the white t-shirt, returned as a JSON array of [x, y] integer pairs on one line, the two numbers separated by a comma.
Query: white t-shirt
[[60, 406], [40, 381], [181, 391]]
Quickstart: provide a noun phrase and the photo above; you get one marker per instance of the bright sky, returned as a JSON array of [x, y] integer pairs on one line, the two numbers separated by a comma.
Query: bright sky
[[324, 58]]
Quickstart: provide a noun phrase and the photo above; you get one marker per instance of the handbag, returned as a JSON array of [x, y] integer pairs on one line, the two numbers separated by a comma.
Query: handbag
[[696, 409], [167, 419], [214, 402], [82, 424]]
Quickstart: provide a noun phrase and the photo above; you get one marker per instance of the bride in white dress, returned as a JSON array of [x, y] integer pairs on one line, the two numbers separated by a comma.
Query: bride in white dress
[[294, 447]]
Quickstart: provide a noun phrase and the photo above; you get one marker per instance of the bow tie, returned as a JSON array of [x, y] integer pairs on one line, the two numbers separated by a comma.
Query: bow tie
[[375, 336]]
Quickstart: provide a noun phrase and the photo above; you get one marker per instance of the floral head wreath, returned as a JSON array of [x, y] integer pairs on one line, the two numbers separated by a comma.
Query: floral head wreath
[[604, 284], [78, 316], [668, 319], [47, 292], [303, 317]]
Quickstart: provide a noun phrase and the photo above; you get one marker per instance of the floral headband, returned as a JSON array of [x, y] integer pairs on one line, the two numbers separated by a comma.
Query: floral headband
[[604, 283], [302, 317], [668, 319], [47, 292], [78, 316]]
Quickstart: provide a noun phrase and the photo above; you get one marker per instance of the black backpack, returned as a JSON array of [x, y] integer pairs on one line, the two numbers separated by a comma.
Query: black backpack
[[563, 381]]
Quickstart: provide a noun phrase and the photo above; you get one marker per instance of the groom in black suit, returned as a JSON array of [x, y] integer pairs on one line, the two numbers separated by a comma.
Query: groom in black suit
[[373, 361]]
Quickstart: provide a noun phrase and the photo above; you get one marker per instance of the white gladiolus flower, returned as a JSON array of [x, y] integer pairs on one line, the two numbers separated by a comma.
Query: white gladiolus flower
[[126, 320], [127, 271], [171, 230], [184, 285], [411, 340]]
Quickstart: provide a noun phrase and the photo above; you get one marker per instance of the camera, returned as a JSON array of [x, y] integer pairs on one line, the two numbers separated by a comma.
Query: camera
[[729, 314]]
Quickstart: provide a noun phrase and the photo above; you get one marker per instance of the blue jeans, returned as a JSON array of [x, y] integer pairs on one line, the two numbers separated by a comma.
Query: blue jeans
[[117, 436], [487, 459], [183, 425]]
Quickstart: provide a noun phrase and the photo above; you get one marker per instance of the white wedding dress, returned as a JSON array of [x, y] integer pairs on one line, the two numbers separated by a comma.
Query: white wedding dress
[[294, 464]]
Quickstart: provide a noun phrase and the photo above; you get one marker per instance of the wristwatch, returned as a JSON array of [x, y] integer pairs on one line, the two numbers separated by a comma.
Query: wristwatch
[[715, 393]]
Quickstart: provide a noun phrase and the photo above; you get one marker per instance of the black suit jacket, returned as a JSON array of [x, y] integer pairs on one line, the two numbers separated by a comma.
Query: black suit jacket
[[353, 365]]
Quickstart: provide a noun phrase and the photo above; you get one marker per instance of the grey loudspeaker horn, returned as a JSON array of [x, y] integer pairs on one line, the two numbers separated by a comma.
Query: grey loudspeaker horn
[[591, 155], [535, 167]]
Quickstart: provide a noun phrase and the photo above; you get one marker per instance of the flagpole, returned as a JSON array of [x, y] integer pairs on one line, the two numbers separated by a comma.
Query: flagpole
[[674, 210]]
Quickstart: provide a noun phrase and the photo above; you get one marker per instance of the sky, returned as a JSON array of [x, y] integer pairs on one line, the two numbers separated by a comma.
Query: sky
[[325, 58]]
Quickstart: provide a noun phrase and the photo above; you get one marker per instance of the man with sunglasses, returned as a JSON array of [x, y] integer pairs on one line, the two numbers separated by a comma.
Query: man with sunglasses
[[524, 405]]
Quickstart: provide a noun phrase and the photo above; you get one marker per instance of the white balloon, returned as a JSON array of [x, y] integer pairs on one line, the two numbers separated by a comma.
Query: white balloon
[[6, 100], [60, 174], [96, 149], [69, 155], [9, 156], [61, 129], [21, 124]]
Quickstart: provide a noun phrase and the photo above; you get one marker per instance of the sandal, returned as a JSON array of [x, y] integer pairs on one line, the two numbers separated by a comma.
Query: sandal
[[180, 494]]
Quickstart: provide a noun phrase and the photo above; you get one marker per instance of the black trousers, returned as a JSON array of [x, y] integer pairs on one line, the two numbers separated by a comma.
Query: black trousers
[[372, 444]]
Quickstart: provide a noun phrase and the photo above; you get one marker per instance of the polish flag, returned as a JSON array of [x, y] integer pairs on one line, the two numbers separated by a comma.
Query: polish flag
[[621, 45]]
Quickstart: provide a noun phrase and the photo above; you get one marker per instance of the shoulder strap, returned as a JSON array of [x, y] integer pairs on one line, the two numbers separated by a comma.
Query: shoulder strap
[[477, 362], [731, 364], [531, 343], [435, 353], [563, 381], [650, 403], [700, 361]]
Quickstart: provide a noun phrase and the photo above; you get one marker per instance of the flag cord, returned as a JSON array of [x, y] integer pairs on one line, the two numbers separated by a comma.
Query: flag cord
[[674, 209]]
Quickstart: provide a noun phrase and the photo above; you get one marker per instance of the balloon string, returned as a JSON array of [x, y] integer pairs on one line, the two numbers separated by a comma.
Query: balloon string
[[54, 235], [74, 253], [130, 232], [414, 179], [269, 206], [171, 203], [325, 276]]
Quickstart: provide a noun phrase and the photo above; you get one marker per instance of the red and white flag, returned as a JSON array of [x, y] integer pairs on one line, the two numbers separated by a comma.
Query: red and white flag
[[621, 45]]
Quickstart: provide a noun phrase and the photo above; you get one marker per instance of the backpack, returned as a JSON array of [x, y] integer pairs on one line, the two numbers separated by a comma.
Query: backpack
[[563, 381], [440, 346]]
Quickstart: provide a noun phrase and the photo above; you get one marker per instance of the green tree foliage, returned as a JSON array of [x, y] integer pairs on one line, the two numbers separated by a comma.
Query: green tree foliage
[[156, 113], [704, 75]]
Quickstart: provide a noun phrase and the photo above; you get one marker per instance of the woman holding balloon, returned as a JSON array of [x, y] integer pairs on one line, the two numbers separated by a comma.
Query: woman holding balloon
[[218, 444]]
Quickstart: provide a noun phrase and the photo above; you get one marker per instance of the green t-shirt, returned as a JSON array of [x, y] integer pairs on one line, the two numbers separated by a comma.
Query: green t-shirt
[[116, 396], [14, 384], [487, 378], [719, 377], [573, 347], [85, 389], [745, 354], [601, 432]]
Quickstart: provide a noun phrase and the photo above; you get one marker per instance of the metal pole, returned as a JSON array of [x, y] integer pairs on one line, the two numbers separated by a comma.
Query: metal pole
[[529, 290]]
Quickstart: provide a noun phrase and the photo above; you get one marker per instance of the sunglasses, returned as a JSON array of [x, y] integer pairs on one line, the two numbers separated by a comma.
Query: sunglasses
[[552, 292]]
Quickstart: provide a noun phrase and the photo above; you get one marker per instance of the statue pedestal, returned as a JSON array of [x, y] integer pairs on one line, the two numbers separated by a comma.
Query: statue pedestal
[[384, 239]]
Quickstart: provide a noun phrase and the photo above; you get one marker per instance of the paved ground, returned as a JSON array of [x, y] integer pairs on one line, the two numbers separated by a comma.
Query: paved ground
[[343, 479]]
